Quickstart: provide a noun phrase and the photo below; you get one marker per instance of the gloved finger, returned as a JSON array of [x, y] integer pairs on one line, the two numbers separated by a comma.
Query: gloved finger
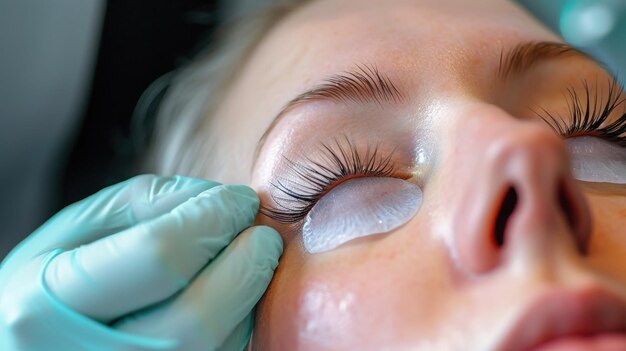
[[203, 315], [151, 261], [108, 211], [240, 336]]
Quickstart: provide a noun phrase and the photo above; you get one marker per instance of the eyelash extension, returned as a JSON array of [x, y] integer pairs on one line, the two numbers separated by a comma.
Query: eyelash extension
[[591, 117], [339, 161]]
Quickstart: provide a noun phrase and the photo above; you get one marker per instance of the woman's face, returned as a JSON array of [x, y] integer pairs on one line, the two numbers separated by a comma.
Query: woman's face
[[487, 241]]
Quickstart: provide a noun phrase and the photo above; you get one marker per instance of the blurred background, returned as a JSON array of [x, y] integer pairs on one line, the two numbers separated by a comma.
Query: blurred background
[[72, 72]]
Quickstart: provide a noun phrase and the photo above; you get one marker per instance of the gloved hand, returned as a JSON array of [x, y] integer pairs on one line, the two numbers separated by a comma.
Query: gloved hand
[[152, 263]]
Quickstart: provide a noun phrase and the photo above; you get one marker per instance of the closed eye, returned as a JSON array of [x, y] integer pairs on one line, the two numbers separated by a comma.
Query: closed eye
[[295, 195]]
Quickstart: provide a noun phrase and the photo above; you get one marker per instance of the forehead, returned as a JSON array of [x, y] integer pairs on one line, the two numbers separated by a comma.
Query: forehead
[[421, 39], [423, 45], [328, 36]]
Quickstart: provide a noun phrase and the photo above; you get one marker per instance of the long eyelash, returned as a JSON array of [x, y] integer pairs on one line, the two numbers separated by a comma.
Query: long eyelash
[[338, 161], [589, 115]]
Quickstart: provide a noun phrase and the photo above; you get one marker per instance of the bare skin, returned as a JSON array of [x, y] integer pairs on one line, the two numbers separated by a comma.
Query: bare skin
[[465, 133]]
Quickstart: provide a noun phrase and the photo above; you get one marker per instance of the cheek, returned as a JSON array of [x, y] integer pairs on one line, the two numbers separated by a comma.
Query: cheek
[[372, 291], [608, 241], [314, 302]]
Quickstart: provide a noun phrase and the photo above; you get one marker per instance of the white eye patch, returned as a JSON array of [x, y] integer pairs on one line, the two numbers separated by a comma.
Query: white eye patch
[[359, 207], [597, 160]]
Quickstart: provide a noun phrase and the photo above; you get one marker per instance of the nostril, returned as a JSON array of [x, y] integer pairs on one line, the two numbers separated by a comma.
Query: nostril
[[506, 210]]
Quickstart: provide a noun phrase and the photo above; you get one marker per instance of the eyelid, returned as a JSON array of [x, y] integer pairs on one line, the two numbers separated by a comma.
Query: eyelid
[[294, 196], [362, 84]]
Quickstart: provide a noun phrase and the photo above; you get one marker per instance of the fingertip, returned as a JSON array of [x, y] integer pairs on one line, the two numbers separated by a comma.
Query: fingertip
[[175, 183], [152, 195], [267, 241], [245, 198], [271, 235], [243, 190]]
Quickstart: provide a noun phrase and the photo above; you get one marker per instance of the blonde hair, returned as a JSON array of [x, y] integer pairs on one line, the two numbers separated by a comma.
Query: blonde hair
[[195, 91]]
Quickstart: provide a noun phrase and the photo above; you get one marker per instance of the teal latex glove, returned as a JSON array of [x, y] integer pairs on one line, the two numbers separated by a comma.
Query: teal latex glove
[[152, 263]]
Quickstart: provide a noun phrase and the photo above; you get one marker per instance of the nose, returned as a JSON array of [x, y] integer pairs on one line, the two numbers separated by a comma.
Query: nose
[[516, 199]]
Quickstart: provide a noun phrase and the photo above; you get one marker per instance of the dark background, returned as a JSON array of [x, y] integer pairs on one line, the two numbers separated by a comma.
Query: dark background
[[138, 44]]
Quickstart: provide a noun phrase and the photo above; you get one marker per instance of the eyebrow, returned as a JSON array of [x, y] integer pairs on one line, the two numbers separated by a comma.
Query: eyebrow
[[362, 85], [367, 84]]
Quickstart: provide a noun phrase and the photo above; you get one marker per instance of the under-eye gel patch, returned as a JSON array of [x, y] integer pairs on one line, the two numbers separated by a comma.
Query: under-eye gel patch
[[596, 160], [359, 207]]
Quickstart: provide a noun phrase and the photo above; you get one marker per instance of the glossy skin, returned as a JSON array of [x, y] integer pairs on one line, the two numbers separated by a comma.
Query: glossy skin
[[465, 136]]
